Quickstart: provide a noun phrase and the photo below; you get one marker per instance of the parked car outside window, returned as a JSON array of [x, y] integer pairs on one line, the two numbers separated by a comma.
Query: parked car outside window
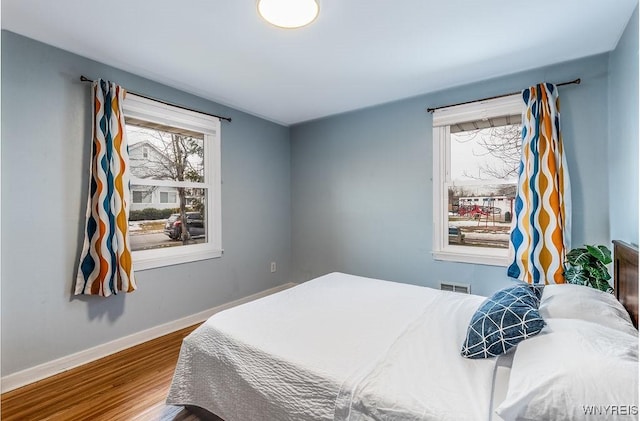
[[195, 226], [455, 235]]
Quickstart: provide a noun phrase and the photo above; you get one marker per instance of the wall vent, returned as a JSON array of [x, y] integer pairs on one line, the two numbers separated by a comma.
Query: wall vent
[[450, 286]]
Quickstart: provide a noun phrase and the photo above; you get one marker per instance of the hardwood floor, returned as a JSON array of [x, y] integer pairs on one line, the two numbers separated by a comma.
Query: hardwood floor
[[129, 385]]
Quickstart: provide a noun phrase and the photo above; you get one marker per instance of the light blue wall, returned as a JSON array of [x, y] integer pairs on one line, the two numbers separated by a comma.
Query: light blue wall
[[362, 192], [45, 146], [623, 135], [346, 193]]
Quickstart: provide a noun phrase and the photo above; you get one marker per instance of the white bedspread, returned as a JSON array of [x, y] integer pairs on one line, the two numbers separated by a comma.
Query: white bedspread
[[338, 347]]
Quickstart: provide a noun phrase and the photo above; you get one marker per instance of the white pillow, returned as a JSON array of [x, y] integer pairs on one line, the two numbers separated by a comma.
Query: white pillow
[[569, 301], [570, 368]]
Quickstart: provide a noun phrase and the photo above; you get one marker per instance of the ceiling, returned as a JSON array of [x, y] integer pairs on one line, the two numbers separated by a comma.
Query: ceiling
[[356, 54]]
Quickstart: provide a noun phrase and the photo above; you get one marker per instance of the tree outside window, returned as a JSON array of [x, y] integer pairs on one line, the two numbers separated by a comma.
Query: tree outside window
[[175, 155]]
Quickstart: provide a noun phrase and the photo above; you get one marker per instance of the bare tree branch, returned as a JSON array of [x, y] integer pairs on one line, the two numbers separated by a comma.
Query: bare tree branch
[[503, 142]]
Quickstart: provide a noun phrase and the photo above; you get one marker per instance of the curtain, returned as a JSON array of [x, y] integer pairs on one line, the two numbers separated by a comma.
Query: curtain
[[105, 263], [541, 235]]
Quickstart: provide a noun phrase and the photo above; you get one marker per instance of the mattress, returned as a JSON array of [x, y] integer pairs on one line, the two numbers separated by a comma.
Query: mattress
[[339, 347]]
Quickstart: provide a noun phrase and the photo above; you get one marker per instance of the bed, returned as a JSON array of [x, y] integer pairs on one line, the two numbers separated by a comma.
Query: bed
[[344, 347]]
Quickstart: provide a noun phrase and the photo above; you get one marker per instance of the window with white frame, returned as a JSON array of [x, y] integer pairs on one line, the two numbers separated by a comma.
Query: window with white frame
[[174, 161], [476, 158], [140, 196], [168, 197]]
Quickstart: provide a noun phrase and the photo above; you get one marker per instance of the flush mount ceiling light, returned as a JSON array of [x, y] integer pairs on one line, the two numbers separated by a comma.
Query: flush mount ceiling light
[[288, 13]]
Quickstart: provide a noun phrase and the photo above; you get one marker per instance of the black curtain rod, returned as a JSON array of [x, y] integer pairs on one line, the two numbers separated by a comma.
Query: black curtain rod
[[430, 110], [85, 79]]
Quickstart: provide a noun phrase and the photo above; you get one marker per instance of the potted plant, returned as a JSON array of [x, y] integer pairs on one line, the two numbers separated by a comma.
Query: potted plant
[[587, 266]]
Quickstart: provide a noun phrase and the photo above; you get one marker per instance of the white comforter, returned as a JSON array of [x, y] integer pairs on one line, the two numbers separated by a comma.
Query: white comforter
[[338, 347]]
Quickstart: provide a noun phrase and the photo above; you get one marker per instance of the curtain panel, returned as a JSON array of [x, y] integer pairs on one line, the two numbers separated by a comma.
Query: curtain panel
[[105, 262], [541, 235]]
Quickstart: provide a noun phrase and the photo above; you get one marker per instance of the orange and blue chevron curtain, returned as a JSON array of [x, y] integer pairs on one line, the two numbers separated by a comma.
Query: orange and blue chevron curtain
[[542, 232], [105, 263]]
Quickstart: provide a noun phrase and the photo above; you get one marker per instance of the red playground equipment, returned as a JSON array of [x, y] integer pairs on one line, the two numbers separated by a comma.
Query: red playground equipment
[[476, 211]]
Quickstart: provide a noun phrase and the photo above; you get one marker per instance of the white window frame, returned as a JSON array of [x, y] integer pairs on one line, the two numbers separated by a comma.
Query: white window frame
[[156, 112], [442, 120]]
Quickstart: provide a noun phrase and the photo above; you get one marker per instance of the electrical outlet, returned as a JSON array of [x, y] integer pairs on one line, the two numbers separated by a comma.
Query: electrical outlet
[[273, 267]]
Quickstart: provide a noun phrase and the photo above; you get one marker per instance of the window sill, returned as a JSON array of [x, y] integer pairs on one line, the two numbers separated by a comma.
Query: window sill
[[464, 256], [151, 259]]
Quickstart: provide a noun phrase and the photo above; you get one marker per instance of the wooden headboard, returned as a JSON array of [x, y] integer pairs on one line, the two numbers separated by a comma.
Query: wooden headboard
[[625, 277]]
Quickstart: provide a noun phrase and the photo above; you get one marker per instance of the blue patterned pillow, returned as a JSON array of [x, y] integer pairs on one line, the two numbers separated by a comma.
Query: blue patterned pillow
[[506, 318]]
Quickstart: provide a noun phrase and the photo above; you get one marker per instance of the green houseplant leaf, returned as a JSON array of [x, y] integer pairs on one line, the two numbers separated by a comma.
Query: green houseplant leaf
[[579, 256], [587, 266], [598, 271], [601, 253], [576, 276], [604, 286]]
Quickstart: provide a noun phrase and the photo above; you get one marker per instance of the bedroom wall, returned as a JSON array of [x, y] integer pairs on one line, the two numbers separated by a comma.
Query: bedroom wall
[[623, 135], [361, 181], [45, 146]]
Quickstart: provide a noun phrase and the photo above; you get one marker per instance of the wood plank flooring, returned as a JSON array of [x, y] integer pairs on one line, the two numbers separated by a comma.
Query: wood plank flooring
[[129, 385]]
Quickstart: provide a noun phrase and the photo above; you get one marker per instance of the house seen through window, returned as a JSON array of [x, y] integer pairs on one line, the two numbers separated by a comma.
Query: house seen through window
[[477, 149], [174, 214]]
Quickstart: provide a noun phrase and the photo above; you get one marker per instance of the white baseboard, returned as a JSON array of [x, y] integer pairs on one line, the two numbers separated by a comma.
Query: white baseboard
[[41, 371]]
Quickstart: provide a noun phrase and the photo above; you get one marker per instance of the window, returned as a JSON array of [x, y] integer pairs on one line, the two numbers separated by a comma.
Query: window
[[174, 161], [140, 196], [170, 197], [476, 157]]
